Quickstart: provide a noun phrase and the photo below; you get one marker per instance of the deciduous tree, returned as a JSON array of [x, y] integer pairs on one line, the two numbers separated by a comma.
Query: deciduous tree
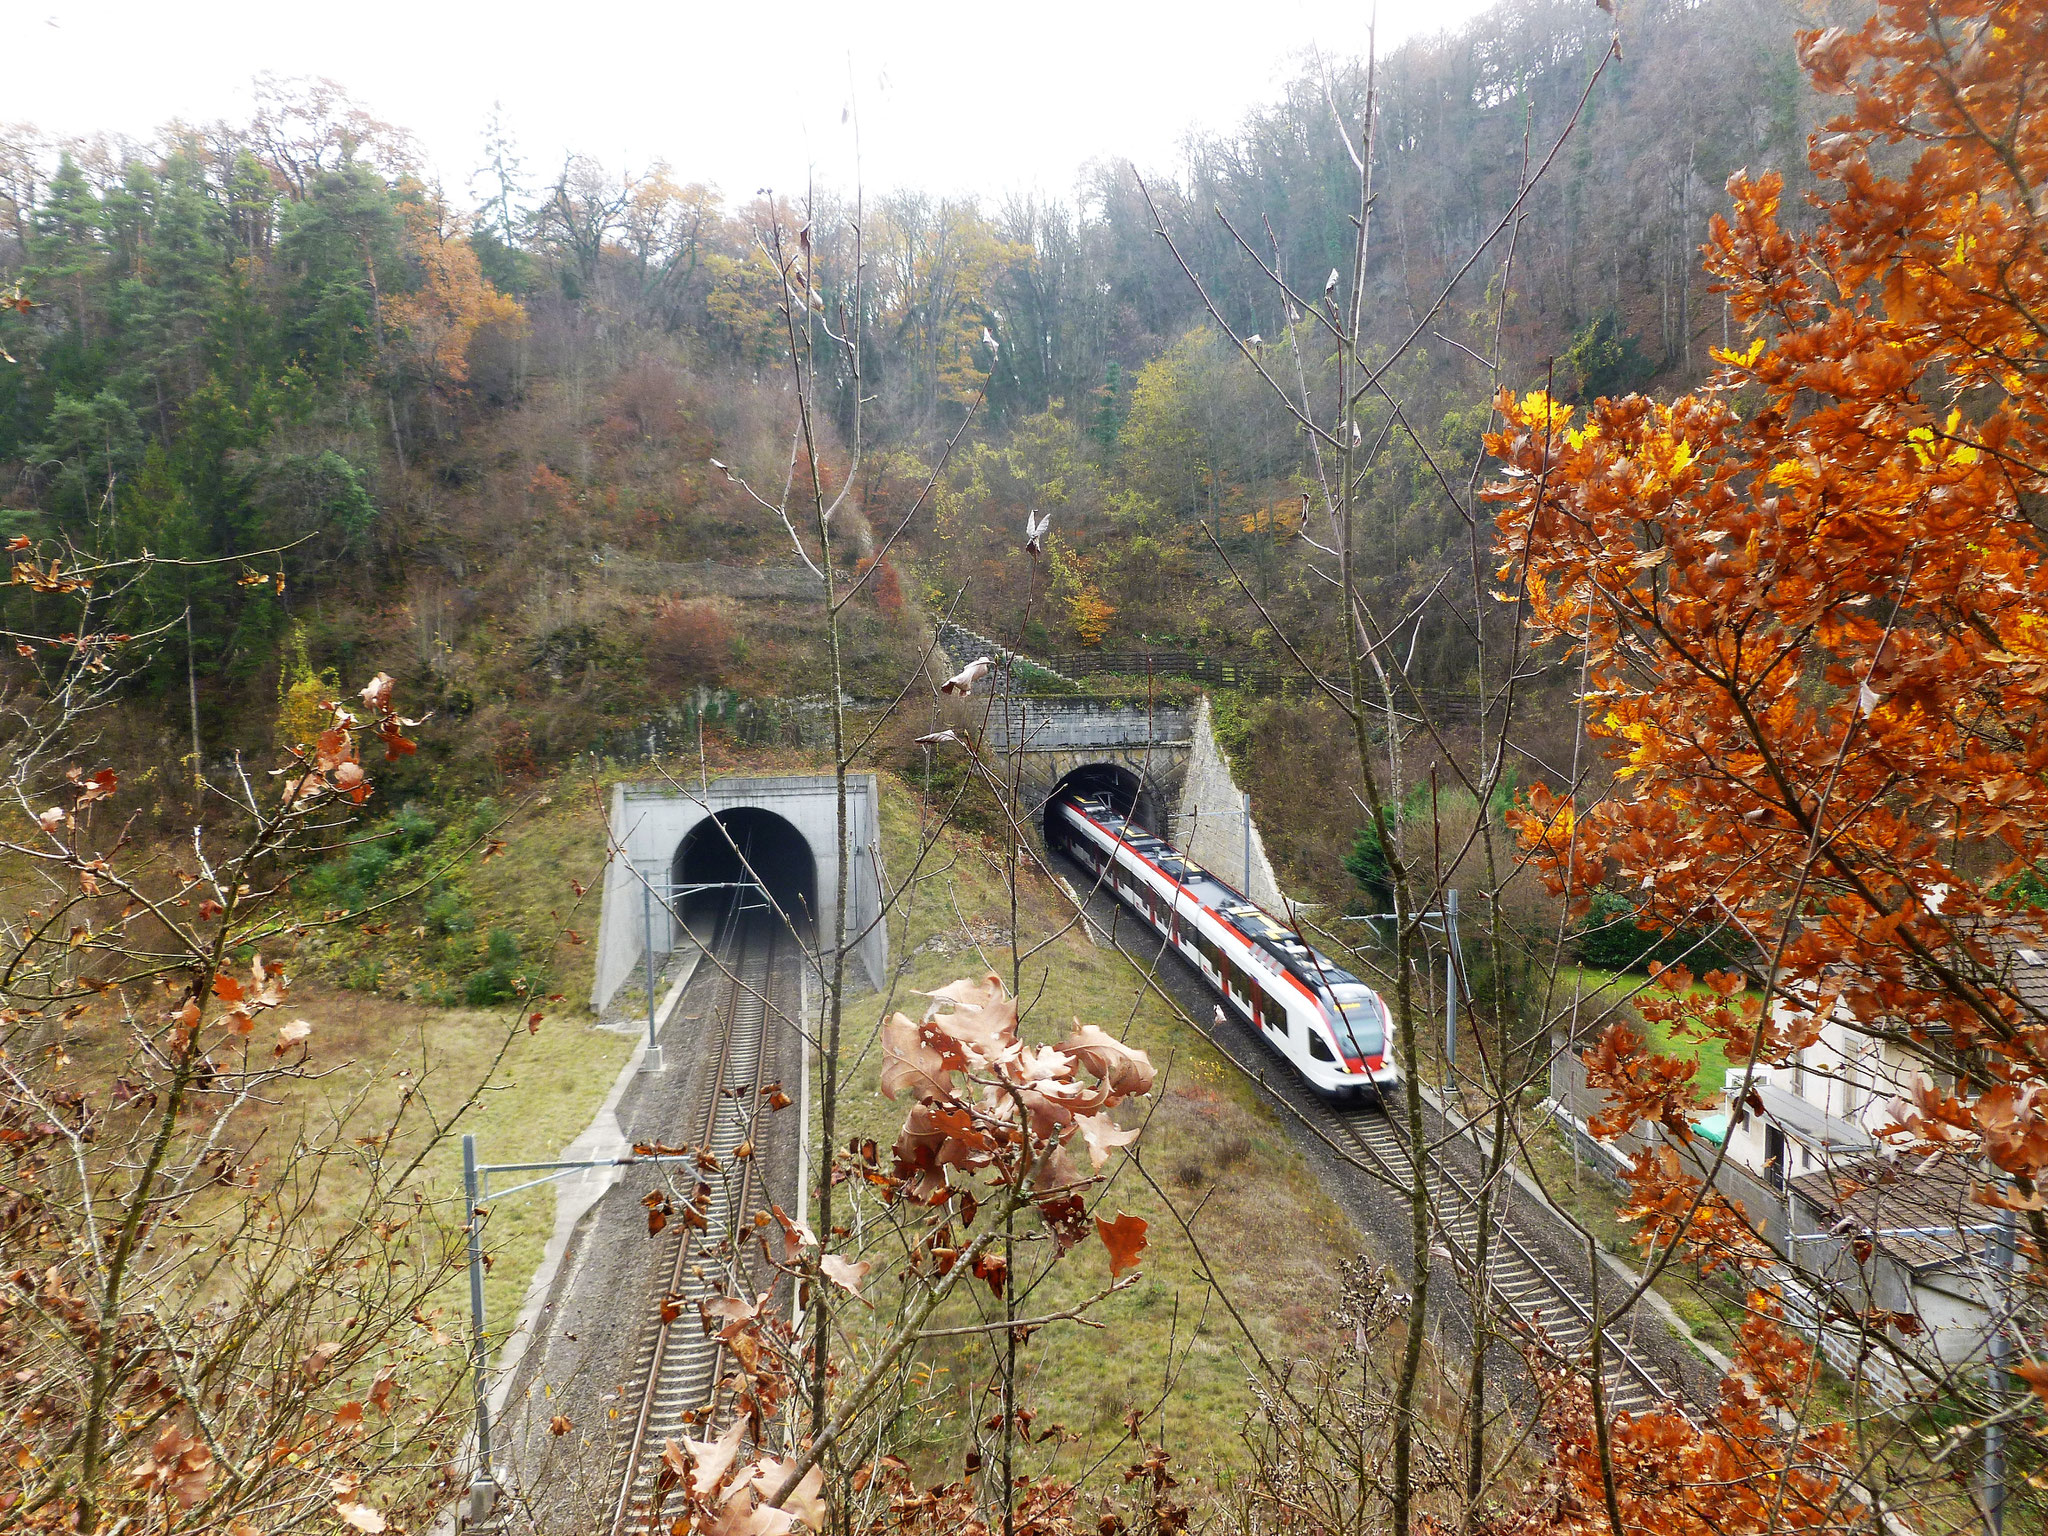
[[1811, 602]]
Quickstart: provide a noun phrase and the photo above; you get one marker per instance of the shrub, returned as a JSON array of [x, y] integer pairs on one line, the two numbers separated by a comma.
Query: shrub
[[447, 913], [690, 641], [1610, 940], [1367, 864], [494, 983]]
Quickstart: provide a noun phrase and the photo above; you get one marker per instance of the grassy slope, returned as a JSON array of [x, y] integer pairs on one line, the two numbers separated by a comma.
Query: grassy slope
[[1273, 1236], [543, 1086]]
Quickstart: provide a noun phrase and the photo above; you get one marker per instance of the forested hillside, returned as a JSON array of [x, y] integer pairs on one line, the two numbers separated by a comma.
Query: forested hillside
[[449, 431], [1591, 466]]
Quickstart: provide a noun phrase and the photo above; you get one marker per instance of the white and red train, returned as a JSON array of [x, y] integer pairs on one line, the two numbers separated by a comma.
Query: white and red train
[[1332, 1028]]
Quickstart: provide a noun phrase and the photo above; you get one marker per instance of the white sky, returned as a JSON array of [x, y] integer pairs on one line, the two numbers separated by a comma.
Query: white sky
[[952, 96]]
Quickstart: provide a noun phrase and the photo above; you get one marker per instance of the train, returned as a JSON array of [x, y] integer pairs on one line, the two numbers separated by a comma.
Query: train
[[1333, 1029]]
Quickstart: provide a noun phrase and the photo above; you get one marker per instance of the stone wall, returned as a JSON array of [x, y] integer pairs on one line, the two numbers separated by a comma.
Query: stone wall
[[1209, 823]]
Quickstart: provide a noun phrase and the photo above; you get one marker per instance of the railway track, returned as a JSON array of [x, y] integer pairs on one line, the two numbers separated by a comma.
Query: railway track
[[1522, 1282], [677, 1365], [1518, 1277]]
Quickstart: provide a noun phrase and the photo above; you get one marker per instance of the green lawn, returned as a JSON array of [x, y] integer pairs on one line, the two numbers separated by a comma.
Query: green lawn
[[1614, 986], [538, 1091]]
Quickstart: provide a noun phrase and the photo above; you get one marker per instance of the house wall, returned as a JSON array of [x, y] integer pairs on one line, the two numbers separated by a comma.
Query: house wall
[[1852, 1078], [1844, 1074]]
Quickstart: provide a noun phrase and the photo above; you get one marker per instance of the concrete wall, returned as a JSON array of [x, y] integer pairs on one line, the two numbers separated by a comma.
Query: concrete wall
[[1054, 724], [1209, 822], [1187, 794], [650, 821], [1060, 736]]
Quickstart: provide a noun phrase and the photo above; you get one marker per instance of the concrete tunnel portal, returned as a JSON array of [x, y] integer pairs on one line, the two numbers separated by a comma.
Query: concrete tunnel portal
[[1126, 791], [735, 846], [784, 828]]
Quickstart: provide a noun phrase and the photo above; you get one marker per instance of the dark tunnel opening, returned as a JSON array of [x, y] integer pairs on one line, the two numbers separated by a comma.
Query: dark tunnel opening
[[1126, 792], [720, 851]]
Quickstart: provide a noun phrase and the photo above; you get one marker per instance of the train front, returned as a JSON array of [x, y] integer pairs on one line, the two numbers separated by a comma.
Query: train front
[[1364, 1030]]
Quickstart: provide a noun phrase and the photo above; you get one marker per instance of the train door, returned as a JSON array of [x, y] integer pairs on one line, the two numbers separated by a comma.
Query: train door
[[1268, 1012], [1237, 988]]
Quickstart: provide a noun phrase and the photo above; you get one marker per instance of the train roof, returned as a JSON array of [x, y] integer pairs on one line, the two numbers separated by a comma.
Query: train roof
[[1308, 965]]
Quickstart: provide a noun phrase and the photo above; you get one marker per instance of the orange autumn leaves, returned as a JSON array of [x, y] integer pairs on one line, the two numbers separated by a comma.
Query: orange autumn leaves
[[1809, 598], [986, 1102], [1749, 1469], [1811, 595], [334, 763]]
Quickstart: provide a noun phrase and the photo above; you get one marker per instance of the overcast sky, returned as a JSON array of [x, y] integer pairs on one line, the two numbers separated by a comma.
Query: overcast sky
[[951, 97]]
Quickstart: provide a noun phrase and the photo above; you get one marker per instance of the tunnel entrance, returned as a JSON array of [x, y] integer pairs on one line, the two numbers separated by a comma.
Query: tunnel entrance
[[721, 850], [1126, 791]]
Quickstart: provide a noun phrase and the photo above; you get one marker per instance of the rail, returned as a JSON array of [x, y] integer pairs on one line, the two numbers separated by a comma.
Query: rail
[[1632, 1382], [679, 1369]]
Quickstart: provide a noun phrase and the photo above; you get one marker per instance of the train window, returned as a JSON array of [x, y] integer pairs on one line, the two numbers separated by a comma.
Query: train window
[[1361, 1019], [1318, 1047]]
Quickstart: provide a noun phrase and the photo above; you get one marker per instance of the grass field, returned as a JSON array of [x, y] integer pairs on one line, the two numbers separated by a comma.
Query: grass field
[[535, 1093]]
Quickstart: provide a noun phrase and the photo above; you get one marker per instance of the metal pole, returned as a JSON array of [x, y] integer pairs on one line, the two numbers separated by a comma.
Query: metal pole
[[1450, 985], [651, 1062], [483, 1491], [1248, 848], [2003, 1247]]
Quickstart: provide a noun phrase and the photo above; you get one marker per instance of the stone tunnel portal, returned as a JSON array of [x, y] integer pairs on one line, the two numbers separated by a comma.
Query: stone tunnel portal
[[721, 850], [1124, 788]]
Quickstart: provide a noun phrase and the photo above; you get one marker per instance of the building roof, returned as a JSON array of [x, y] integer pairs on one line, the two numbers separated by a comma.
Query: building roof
[[1923, 1214], [1826, 1136], [2027, 975]]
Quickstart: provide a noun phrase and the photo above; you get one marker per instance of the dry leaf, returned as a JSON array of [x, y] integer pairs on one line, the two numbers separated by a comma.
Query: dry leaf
[[1125, 1240], [844, 1274]]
